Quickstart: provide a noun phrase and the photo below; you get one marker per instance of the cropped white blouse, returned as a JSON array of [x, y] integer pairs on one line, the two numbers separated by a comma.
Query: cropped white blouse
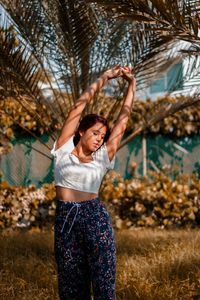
[[69, 172]]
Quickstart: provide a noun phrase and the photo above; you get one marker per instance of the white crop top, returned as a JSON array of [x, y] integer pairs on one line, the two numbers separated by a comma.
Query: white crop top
[[71, 173]]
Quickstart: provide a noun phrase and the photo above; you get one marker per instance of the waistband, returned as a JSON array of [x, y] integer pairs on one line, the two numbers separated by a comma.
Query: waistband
[[82, 202], [63, 206]]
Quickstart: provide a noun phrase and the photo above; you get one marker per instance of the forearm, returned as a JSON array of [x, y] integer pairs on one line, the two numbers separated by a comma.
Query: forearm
[[89, 93], [121, 123], [127, 105], [75, 112]]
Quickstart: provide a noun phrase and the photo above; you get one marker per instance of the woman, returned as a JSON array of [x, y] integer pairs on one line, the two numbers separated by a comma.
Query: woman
[[84, 240]]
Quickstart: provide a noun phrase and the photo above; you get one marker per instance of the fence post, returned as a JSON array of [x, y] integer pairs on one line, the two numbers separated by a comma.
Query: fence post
[[144, 154]]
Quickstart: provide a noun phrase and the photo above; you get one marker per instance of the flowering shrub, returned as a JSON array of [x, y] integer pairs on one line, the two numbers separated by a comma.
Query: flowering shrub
[[183, 123], [26, 206], [13, 115], [158, 201]]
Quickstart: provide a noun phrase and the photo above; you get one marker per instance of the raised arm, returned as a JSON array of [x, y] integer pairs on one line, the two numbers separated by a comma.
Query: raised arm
[[121, 122], [75, 112]]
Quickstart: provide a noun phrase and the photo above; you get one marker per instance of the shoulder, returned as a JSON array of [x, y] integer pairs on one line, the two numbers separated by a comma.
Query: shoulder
[[68, 146], [102, 155]]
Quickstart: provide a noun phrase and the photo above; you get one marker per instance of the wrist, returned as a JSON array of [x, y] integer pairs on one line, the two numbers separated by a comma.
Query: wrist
[[132, 83], [104, 77], [131, 88]]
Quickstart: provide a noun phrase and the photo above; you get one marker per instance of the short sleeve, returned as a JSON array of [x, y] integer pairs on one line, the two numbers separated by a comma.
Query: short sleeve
[[102, 155], [66, 147]]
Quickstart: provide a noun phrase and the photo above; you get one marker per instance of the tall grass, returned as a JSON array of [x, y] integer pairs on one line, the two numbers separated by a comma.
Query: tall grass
[[151, 265]]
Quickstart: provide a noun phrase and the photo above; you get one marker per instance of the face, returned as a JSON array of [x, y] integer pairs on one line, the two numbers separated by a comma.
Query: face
[[93, 137]]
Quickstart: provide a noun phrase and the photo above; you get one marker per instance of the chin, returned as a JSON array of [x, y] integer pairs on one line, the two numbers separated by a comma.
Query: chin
[[94, 148]]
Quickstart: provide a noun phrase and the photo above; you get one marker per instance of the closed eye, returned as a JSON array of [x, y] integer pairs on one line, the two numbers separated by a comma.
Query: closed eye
[[97, 133]]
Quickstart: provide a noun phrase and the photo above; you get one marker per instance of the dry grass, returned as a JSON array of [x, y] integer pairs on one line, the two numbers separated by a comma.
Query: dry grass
[[152, 265], [158, 265]]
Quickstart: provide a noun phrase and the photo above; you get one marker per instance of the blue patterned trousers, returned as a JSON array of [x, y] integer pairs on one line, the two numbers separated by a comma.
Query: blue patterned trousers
[[85, 251]]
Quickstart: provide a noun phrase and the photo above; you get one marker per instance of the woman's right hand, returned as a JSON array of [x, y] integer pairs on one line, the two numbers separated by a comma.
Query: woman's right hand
[[127, 73], [113, 72]]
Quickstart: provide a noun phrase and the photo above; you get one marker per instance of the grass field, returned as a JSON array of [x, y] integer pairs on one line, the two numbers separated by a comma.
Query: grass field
[[151, 265]]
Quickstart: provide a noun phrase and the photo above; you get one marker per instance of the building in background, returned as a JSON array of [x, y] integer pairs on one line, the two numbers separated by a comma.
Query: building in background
[[181, 77]]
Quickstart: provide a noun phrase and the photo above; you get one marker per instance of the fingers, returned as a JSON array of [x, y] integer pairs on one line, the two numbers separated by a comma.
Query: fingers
[[128, 69], [128, 76], [125, 72]]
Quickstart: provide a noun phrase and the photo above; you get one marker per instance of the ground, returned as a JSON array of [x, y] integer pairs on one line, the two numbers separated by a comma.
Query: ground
[[151, 265]]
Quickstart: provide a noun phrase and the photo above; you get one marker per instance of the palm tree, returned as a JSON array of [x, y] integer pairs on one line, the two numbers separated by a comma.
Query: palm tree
[[56, 47]]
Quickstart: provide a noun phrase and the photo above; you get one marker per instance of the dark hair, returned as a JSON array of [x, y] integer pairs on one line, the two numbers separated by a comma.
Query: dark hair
[[87, 122]]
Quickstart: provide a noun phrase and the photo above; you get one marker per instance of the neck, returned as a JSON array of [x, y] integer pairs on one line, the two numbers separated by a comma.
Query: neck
[[80, 151]]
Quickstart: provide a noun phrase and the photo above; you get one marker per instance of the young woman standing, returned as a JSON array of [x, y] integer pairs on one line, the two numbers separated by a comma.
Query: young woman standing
[[85, 249]]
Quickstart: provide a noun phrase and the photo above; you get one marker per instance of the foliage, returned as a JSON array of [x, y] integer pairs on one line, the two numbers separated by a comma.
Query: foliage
[[159, 201], [15, 118], [177, 19], [25, 206], [52, 50], [182, 123]]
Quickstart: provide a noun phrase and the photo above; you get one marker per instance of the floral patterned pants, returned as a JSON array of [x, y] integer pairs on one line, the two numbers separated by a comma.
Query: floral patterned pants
[[85, 251]]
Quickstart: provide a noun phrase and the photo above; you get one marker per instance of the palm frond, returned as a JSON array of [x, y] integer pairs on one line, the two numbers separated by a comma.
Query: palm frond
[[178, 19], [75, 26], [36, 38], [67, 43], [191, 55], [20, 73]]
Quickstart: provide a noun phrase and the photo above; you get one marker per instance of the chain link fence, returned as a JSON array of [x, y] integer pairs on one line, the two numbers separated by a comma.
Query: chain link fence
[[30, 162]]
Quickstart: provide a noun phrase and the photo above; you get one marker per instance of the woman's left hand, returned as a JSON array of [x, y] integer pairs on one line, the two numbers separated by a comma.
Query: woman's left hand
[[127, 74]]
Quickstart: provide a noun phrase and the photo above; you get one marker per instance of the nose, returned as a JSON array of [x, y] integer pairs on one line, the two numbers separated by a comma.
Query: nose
[[98, 138]]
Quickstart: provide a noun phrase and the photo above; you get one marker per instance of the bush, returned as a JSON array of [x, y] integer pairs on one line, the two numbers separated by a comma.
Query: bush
[[157, 201], [139, 202]]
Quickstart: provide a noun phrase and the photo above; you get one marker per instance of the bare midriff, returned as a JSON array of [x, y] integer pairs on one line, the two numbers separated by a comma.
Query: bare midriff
[[66, 194]]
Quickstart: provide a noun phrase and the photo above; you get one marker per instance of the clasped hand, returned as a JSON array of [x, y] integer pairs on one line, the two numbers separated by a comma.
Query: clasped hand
[[118, 71]]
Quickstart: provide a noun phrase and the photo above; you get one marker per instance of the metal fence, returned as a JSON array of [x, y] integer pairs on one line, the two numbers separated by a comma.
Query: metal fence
[[29, 162]]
